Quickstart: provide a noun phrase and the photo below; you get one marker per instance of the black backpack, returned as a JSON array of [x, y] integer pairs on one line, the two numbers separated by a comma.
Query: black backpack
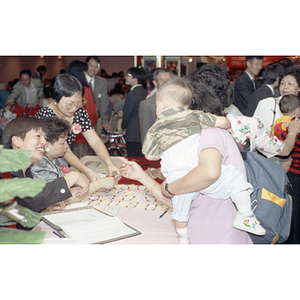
[[271, 200]]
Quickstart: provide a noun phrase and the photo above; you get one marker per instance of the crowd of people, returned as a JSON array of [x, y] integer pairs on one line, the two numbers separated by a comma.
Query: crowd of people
[[192, 124]]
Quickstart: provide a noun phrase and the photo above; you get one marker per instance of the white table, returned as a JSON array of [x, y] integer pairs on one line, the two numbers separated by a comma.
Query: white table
[[137, 208]]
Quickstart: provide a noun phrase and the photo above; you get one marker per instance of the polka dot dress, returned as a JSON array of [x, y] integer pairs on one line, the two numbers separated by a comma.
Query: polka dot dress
[[81, 117]]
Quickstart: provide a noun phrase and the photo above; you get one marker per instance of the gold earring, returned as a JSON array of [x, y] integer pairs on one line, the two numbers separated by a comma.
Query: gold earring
[[55, 103]]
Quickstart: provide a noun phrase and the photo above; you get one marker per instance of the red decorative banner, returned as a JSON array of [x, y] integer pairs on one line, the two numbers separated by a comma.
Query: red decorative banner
[[239, 62]]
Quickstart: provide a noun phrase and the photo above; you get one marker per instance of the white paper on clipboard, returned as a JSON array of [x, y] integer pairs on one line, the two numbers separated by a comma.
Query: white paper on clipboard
[[89, 225]]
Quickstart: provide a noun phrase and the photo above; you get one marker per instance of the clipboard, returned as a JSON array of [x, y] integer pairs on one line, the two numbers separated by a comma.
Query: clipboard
[[88, 225]]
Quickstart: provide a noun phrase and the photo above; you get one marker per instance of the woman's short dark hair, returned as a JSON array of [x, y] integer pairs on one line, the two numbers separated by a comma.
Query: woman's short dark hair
[[65, 85], [217, 78], [57, 128], [140, 74], [213, 68], [205, 99], [20, 127], [292, 71]]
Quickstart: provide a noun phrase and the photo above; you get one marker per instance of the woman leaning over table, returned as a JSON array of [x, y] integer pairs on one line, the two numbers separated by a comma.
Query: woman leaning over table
[[68, 104], [27, 133]]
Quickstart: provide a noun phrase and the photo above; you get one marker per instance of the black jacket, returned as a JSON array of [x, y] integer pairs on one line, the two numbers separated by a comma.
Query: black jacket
[[243, 88], [130, 120], [54, 191]]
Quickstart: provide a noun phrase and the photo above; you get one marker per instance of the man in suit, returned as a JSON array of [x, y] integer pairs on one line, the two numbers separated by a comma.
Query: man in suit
[[27, 91], [137, 79], [270, 83], [98, 85], [245, 84], [147, 110]]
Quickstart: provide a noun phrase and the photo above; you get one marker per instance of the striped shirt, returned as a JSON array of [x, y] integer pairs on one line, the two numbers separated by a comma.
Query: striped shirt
[[295, 154]]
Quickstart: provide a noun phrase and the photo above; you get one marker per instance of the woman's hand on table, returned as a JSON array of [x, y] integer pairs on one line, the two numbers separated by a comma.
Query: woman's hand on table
[[77, 193], [57, 206], [106, 183], [131, 169], [114, 171], [75, 178]]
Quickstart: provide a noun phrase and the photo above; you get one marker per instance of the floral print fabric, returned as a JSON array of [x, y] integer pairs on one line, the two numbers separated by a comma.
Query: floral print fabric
[[251, 127]]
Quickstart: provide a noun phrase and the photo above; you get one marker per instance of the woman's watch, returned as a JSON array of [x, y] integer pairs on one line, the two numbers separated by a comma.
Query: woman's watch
[[167, 189]]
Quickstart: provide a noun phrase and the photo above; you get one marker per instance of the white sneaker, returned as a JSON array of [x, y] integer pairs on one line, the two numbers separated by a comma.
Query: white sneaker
[[249, 224], [183, 240], [182, 234]]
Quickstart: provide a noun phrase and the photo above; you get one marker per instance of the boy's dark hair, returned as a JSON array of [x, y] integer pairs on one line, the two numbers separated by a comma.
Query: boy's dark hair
[[57, 128], [20, 127], [289, 103]]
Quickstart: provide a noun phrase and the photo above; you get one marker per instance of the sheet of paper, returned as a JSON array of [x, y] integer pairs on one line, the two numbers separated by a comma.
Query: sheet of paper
[[111, 210], [75, 205]]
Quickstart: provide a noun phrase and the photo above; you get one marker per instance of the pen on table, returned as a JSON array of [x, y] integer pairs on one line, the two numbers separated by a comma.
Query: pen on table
[[57, 234], [163, 214]]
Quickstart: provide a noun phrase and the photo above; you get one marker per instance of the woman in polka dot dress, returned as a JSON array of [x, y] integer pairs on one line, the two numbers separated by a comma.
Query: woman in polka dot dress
[[68, 104]]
